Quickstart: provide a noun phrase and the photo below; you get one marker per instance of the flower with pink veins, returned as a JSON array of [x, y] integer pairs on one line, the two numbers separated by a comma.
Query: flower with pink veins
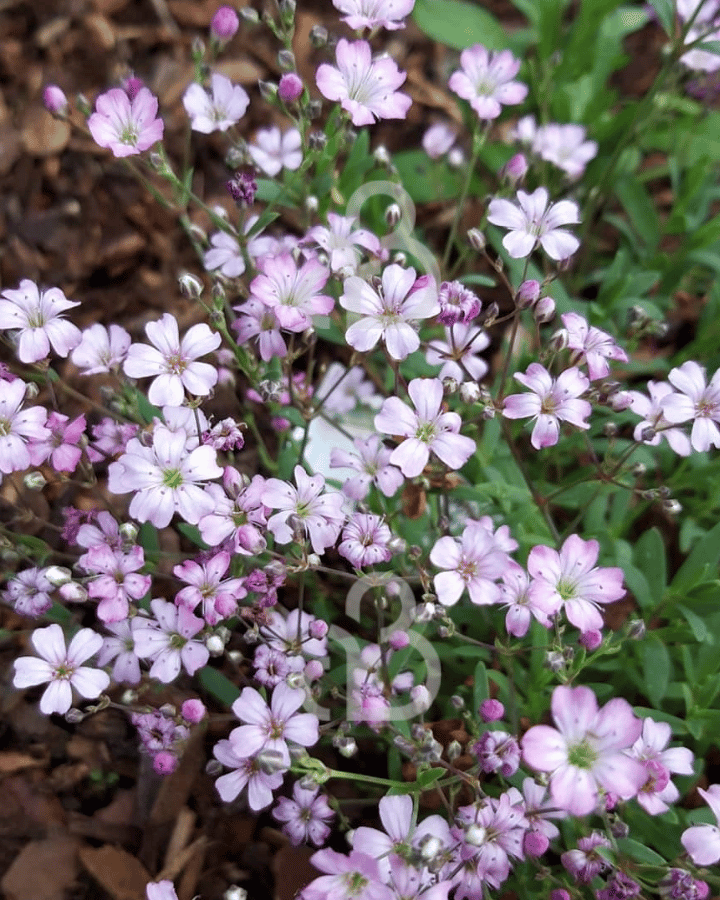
[[458, 353], [374, 14], [292, 293], [219, 598], [19, 428], [366, 88], [319, 514], [698, 401], [255, 320], [591, 345], [371, 460], [486, 81], [126, 127], [101, 349], [585, 754], [515, 596], [535, 222], [353, 877], [305, 816], [425, 429], [274, 150], [271, 727], [474, 565], [218, 112], [63, 668], [238, 514], [173, 362], [551, 401], [390, 310], [37, 318], [249, 773], [165, 478], [571, 579], [655, 426], [365, 540], [61, 446], [341, 240], [702, 842], [117, 580], [167, 639], [28, 592], [658, 792]]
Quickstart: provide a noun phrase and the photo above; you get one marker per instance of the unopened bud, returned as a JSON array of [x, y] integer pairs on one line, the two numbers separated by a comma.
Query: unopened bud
[[457, 702], [313, 670], [455, 158], [421, 698], [555, 661], [235, 893], [317, 140], [544, 310], [270, 761], [470, 392], [197, 49], [672, 506], [399, 640], [492, 311], [268, 90], [55, 100], [57, 575], [515, 169], [450, 386], [318, 629], [224, 24], [311, 203], [314, 108], [190, 286], [618, 828], [528, 293], [286, 60], [290, 87], [34, 481], [318, 36], [72, 592], [454, 749], [381, 155], [393, 214], [215, 645], [491, 710], [591, 640], [399, 258], [128, 532], [610, 429], [636, 630], [213, 767], [250, 15], [347, 747], [476, 239], [74, 716]]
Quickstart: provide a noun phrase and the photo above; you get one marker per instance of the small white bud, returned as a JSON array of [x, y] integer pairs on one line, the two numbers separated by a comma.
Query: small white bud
[[215, 645], [58, 575]]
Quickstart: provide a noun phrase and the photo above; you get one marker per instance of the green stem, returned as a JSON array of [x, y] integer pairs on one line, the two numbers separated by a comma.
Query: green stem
[[479, 137]]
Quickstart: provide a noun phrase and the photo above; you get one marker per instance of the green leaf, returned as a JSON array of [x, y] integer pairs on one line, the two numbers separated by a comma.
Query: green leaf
[[703, 557], [481, 689], [699, 629], [425, 179], [459, 24], [640, 209], [218, 685], [649, 556], [665, 10], [640, 853], [656, 667], [428, 777]]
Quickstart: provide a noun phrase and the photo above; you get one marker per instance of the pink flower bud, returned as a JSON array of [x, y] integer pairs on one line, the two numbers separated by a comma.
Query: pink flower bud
[[528, 293], [318, 629], [290, 87], [193, 711], [55, 100], [535, 844], [544, 310], [165, 763], [224, 24], [515, 169], [313, 670], [559, 894], [591, 640], [491, 710], [132, 86], [399, 640]]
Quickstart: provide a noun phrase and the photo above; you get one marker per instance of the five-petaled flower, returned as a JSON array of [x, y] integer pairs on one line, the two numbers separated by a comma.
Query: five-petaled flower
[[534, 222], [126, 126], [486, 81]]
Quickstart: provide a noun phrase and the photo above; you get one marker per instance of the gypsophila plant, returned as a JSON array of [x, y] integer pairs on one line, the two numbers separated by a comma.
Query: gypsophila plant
[[444, 501]]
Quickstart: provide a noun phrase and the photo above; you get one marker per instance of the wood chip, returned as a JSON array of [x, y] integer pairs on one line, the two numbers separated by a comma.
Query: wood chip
[[43, 870], [11, 761], [123, 876], [101, 31], [41, 134]]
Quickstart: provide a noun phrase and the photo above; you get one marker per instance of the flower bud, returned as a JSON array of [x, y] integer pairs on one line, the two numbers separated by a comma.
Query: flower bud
[[235, 893], [399, 640], [454, 749], [286, 61], [381, 155], [165, 763], [193, 710], [544, 310], [290, 87], [268, 90], [457, 702], [55, 100], [555, 661], [215, 645], [528, 293], [224, 24], [347, 747], [74, 716], [314, 108], [476, 239], [270, 761], [251, 15], [591, 640], [128, 532], [636, 630], [491, 710], [57, 575], [318, 36], [393, 214], [318, 629], [535, 843], [491, 313], [672, 506], [515, 169], [421, 698], [190, 286], [72, 592], [469, 392], [34, 481], [313, 670], [213, 767], [455, 158]]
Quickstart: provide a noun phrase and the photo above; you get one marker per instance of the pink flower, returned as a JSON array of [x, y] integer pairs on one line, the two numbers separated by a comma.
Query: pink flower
[[55, 100], [165, 478], [366, 89], [62, 668], [458, 353], [249, 773], [290, 87], [516, 596], [61, 444], [584, 863], [565, 147], [117, 580], [161, 890], [101, 349], [658, 792], [486, 80], [19, 427], [533, 222], [473, 564], [702, 842], [271, 727], [120, 646], [304, 816], [571, 579], [168, 641], [457, 303], [37, 317], [655, 426], [218, 112], [552, 401], [353, 877], [584, 754], [591, 344], [341, 240], [365, 541], [274, 150], [255, 320], [372, 463], [389, 310], [126, 127], [29, 592], [438, 139], [205, 582], [238, 513], [374, 13], [697, 401], [320, 514], [173, 361], [292, 293], [426, 429]]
